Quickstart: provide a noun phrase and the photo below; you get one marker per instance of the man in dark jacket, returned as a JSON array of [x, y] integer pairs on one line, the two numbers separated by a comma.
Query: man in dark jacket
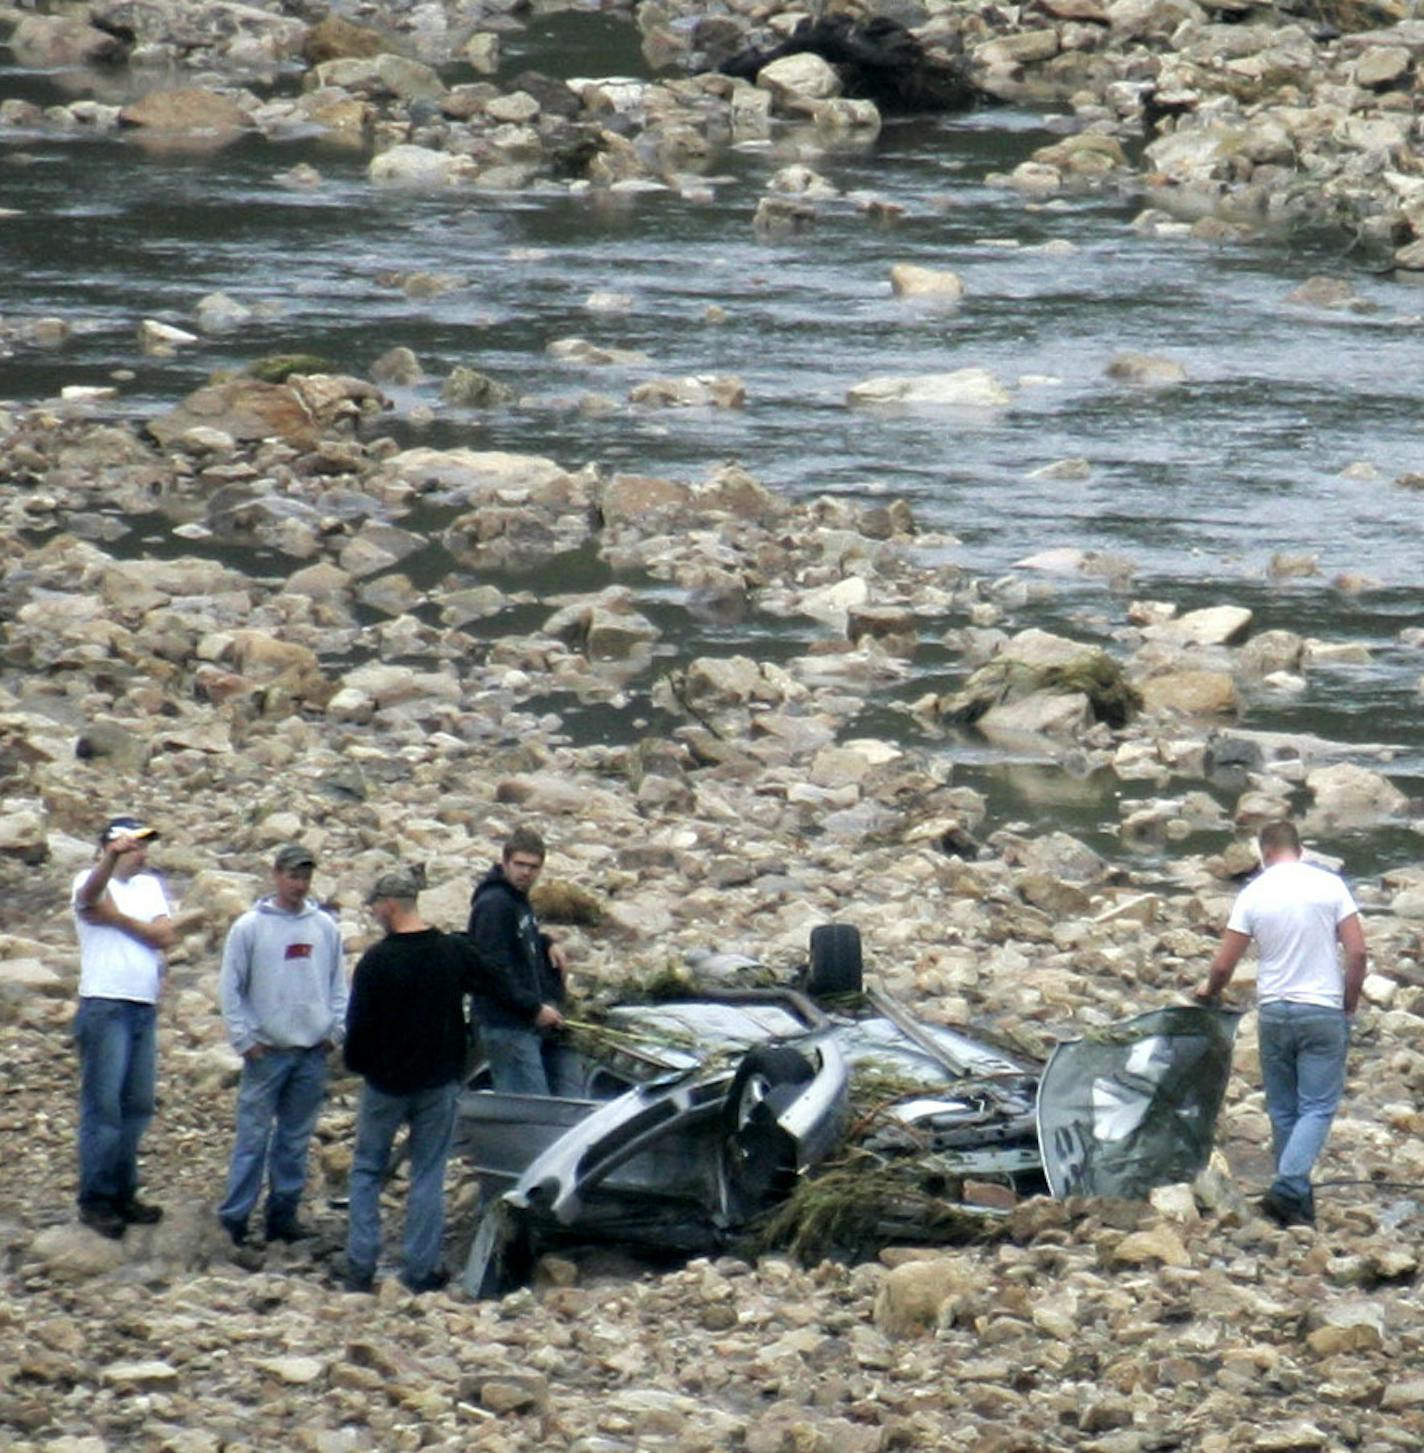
[[406, 1035], [520, 996]]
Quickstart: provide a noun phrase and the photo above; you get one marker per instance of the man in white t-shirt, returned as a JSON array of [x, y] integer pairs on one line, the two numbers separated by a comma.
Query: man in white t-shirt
[[122, 917], [1301, 917]]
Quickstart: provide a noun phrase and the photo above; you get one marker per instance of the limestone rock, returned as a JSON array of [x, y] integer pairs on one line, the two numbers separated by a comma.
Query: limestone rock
[[913, 1298], [1346, 795], [74, 1253], [187, 109], [799, 77], [909, 281], [974, 388], [1190, 693]]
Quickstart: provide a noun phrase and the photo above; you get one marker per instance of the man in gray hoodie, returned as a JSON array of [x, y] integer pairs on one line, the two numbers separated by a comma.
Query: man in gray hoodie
[[283, 992]]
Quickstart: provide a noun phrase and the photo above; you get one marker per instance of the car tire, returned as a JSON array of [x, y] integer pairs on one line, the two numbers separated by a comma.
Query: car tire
[[836, 965], [758, 1162]]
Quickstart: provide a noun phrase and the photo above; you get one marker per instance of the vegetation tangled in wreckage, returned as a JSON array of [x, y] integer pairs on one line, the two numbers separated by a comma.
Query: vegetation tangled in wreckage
[[854, 1206]]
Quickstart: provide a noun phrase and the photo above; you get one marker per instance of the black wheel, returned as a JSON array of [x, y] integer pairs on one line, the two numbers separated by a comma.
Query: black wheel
[[758, 1157], [836, 965]]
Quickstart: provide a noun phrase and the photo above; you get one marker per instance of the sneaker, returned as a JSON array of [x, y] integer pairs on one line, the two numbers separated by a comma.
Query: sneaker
[[289, 1229], [236, 1231], [140, 1213], [437, 1280], [104, 1219], [355, 1280]]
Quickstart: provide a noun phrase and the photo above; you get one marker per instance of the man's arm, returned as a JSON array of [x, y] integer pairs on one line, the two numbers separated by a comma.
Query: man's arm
[[233, 979], [1351, 934], [1228, 955], [157, 933], [337, 991]]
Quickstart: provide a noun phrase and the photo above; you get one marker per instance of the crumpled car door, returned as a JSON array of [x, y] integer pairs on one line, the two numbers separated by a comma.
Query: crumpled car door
[[1135, 1105]]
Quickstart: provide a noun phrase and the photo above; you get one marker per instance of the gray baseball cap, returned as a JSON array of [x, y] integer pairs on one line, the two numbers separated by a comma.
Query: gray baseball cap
[[293, 856]]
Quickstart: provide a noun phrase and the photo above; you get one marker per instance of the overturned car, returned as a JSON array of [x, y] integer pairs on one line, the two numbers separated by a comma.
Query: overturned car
[[820, 1115]]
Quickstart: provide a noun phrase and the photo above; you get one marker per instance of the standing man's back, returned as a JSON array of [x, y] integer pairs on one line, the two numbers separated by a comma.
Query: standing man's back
[[406, 1037], [1301, 918]]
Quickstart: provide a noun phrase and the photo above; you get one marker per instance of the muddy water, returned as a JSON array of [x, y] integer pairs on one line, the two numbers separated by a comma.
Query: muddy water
[[1197, 487]]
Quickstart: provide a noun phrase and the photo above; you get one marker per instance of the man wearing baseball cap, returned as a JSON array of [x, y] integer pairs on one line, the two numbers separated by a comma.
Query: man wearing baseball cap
[[122, 918], [283, 993]]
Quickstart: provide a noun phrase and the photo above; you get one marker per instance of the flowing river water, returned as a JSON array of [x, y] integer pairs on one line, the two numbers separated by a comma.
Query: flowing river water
[[1287, 438]]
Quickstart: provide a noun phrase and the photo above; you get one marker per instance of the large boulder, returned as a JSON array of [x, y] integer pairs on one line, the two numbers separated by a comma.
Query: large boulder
[[187, 109], [244, 409], [47, 42], [1038, 664], [1346, 795], [1190, 693]]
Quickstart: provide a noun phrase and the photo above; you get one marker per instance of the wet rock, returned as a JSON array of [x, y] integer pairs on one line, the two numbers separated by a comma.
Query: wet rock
[[1190, 693], [910, 281], [1144, 371], [722, 391], [405, 165], [802, 77], [51, 41], [1346, 795], [243, 409], [1220, 625], [966, 387], [334, 37], [1032, 669], [188, 109], [469, 388]]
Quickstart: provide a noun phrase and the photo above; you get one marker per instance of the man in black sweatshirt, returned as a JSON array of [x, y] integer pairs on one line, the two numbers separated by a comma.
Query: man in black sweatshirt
[[406, 1035], [520, 996]]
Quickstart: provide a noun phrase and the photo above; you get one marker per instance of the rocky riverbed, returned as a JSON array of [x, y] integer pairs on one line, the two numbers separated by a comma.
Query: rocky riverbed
[[381, 682]]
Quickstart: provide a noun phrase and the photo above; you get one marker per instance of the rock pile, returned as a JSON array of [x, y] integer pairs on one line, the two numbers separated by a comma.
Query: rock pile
[[339, 702], [1254, 115]]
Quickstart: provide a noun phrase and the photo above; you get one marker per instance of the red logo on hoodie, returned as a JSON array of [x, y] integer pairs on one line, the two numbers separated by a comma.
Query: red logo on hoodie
[[298, 951]]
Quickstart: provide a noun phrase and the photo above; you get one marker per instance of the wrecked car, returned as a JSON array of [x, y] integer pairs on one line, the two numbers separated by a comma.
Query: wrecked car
[[821, 1114]]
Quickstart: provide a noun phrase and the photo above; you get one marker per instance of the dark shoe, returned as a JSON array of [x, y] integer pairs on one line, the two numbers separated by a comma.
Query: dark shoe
[[289, 1229], [1286, 1210], [438, 1280], [104, 1219], [363, 1282], [236, 1231], [140, 1213]]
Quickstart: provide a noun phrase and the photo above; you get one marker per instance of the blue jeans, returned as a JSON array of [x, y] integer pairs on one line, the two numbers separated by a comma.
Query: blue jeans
[[277, 1104], [431, 1117], [1302, 1049], [523, 1062], [118, 1054]]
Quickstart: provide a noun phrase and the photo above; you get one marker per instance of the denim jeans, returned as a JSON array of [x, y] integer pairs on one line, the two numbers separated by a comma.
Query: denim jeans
[[1302, 1049], [278, 1101], [118, 1052], [431, 1117], [523, 1062]]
